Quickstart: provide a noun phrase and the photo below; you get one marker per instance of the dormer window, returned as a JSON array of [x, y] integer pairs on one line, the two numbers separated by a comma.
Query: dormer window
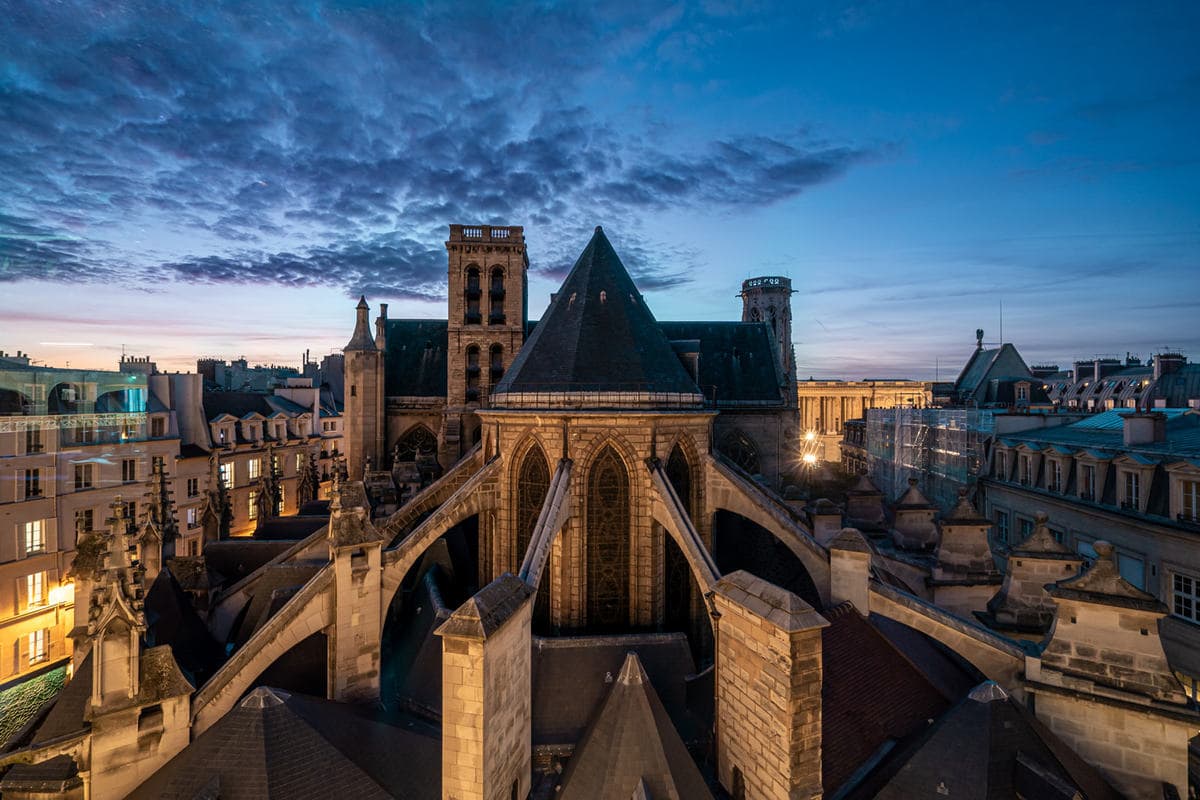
[[1002, 465], [1026, 469], [1132, 491], [1056, 476]]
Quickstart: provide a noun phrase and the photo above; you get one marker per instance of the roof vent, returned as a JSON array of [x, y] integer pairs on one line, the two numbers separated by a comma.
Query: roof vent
[[988, 691], [265, 696]]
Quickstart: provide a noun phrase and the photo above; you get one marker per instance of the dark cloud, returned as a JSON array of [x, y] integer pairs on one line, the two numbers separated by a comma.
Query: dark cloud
[[321, 143]]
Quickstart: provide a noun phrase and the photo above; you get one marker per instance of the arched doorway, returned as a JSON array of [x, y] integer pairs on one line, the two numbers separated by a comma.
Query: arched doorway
[[608, 531]]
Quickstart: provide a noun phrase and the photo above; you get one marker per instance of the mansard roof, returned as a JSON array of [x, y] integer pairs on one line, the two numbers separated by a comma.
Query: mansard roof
[[597, 335], [632, 742]]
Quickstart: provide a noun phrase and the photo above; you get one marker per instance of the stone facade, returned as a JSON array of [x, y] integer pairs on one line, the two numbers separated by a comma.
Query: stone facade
[[768, 691], [486, 694], [826, 406]]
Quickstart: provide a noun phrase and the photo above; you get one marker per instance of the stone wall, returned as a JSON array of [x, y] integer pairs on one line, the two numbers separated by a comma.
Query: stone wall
[[768, 690], [1137, 750]]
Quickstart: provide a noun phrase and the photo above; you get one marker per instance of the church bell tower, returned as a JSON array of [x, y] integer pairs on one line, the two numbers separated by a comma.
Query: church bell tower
[[488, 308], [769, 299]]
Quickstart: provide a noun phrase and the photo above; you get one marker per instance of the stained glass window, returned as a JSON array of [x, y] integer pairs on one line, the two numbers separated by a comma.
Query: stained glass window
[[741, 451], [416, 440], [533, 481], [608, 542]]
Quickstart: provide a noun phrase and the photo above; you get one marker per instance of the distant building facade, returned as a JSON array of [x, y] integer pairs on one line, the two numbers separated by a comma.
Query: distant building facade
[[826, 406], [72, 442]]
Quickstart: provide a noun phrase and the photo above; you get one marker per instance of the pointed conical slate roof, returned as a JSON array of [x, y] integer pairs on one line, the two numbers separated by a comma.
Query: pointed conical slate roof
[[632, 744], [598, 335], [362, 338], [278, 744]]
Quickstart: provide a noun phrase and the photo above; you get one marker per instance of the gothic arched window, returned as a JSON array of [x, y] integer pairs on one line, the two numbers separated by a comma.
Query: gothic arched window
[[608, 542], [533, 481], [676, 570], [417, 441], [496, 316], [472, 373], [679, 473], [472, 292], [755, 315], [738, 448]]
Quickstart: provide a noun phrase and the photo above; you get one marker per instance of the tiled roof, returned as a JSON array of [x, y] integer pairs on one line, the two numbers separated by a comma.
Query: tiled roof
[[857, 714], [988, 747], [571, 676], [597, 335], [415, 358], [276, 744], [66, 717], [632, 745], [738, 360]]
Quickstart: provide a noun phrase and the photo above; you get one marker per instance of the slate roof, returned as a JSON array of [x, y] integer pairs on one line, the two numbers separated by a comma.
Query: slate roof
[[67, 714], [55, 775], [988, 747], [571, 676], [240, 404], [415, 358], [632, 745], [277, 744], [737, 359], [597, 335], [172, 620], [856, 716]]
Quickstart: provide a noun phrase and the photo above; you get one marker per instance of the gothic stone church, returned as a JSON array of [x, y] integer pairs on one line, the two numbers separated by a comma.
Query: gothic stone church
[[563, 567]]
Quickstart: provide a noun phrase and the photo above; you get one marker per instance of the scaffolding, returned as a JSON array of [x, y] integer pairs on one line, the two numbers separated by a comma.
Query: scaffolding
[[942, 448]]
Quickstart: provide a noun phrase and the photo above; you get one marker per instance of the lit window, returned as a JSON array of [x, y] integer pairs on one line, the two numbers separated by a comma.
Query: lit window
[[191, 518], [252, 468], [1185, 597], [299, 463], [39, 645], [227, 475], [35, 590], [252, 505], [35, 537]]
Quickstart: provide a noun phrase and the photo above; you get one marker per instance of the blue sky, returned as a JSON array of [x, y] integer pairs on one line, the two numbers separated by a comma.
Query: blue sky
[[194, 179]]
